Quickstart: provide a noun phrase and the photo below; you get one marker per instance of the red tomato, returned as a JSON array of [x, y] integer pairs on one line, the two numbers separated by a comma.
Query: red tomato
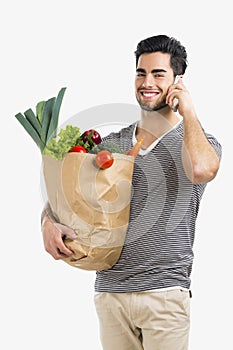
[[79, 149], [104, 159]]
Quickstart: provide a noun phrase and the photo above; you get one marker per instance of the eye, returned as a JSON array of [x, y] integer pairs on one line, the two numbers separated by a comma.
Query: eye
[[158, 75], [140, 74]]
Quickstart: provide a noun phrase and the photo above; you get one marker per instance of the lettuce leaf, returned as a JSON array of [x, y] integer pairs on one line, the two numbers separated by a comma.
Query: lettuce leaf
[[66, 139]]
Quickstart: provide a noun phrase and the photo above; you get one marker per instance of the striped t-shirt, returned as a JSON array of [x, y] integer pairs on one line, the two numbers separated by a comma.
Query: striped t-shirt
[[158, 249]]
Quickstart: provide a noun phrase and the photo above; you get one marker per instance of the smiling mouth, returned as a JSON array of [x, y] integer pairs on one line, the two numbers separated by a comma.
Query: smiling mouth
[[149, 94]]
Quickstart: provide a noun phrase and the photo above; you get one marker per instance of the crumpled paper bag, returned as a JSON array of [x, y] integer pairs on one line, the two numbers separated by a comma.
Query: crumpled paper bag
[[94, 202]]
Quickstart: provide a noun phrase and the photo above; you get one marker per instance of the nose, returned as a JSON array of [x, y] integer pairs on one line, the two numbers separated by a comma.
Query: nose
[[148, 81]]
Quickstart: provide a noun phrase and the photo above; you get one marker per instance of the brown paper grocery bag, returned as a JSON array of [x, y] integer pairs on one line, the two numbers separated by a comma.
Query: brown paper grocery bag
[[94, 202]]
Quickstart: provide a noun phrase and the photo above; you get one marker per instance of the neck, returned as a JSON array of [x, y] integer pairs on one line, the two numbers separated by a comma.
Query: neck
[[154, 124], [158, 122]]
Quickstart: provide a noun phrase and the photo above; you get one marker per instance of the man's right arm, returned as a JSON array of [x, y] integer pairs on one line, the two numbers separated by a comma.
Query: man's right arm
[[54, 234]]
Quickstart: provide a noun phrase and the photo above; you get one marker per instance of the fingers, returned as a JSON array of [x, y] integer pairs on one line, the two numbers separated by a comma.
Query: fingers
[[171, 96], [65, 230], [57, 248], [53, 234], [61, 251], [174, 92]]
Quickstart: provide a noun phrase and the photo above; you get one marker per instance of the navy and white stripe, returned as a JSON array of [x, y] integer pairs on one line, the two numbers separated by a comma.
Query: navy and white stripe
[[158, 250]]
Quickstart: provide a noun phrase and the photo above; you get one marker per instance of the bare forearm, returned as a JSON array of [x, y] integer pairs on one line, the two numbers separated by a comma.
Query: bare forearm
[[199, 158], [47, 213]]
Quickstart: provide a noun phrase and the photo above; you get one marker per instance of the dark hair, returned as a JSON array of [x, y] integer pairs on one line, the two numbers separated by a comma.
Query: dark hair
[[165, 44]]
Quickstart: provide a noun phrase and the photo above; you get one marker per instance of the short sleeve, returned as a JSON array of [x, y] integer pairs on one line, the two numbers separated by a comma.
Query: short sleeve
[[216, 145]]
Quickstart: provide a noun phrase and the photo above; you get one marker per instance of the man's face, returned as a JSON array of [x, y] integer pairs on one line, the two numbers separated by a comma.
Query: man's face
[[154, 76]]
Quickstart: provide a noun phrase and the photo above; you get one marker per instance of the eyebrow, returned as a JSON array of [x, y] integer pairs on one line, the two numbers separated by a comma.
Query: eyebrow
[[142, 70]]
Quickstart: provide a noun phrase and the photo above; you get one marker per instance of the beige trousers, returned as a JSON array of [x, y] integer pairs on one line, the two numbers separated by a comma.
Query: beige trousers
[[148, 320]]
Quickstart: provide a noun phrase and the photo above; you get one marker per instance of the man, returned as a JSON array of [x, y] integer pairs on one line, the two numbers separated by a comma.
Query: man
[[143, 301]]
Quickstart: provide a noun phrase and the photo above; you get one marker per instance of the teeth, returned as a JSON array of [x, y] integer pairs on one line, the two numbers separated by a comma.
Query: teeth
[[149, 94]]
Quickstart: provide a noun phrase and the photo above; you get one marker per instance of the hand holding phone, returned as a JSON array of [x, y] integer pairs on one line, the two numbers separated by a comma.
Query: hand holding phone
[[175, 101]]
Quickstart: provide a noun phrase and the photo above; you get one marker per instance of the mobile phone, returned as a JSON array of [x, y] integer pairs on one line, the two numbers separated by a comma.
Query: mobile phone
[[175, 101]]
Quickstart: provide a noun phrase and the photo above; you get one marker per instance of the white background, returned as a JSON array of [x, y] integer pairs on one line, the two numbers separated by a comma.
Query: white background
[[88, 47]]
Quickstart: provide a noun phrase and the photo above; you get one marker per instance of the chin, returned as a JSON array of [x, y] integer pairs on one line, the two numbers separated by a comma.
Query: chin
[[147, 108], [153, 108], [150, 107]]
